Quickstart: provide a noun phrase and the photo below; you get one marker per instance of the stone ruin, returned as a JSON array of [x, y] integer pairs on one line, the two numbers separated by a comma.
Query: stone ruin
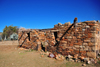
[[82, 39]]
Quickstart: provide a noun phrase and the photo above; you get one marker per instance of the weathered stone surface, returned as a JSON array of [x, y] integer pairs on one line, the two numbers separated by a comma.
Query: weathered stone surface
[[91, 54]]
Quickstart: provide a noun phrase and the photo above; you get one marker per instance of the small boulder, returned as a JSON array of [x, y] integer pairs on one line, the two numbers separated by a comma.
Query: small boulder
[[47, 53], [69, 56], [83, 64], [86, 59], [88, 62], [71, 60]]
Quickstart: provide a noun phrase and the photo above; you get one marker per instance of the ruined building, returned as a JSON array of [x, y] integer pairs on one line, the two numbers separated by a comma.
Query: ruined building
[[80, 38]]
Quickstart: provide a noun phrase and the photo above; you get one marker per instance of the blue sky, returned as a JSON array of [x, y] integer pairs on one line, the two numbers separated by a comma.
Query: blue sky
[[40, 14]]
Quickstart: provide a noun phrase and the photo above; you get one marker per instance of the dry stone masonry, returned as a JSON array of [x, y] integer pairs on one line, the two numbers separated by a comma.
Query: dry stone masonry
[[82, 39]]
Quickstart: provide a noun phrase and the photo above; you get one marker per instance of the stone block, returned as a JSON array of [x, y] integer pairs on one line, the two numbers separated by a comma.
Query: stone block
[[91, 54]]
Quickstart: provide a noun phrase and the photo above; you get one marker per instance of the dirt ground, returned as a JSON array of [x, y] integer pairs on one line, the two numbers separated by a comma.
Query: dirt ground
[[12, 56]]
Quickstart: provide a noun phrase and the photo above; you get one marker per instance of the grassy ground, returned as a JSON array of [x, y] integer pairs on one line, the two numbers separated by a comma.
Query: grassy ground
[[11, 56]]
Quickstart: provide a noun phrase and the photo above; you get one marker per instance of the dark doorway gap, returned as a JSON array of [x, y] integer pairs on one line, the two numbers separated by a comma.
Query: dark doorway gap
[[28, 36], [43, 48], [55, 34]]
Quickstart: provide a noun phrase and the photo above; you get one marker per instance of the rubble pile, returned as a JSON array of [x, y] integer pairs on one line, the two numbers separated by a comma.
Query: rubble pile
[[82, 39]]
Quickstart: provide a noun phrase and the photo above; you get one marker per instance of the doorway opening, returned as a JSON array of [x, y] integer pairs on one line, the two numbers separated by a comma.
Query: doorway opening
[[28, 36], [55, 34]]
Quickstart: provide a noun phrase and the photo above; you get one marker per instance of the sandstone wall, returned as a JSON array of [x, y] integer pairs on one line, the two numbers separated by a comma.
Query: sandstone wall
[[82, 39]]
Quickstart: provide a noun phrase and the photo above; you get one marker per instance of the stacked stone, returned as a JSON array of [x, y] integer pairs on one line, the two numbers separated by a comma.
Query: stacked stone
[[28, 39], [36, 39], [81, 40]]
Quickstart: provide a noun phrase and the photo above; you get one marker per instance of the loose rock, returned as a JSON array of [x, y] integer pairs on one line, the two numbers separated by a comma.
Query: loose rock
[[83, 64]]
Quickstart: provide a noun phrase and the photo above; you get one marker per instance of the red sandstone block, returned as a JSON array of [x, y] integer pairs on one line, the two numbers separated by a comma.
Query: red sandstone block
[[83, 52], [71, 45], [77, 43], [76, 51], [71, 50], [91, 24]]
